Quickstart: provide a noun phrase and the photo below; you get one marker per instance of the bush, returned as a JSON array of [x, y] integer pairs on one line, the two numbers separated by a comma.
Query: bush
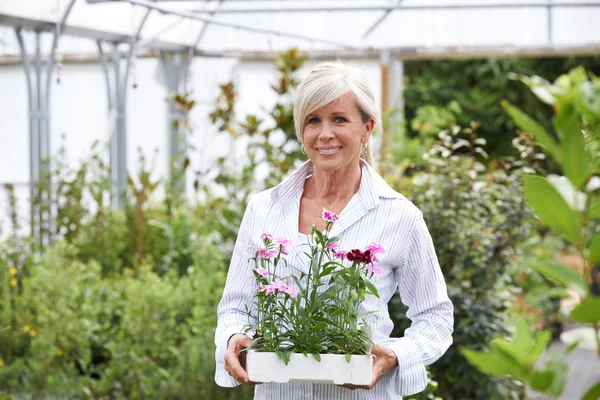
[[78, 334], [477, 218]]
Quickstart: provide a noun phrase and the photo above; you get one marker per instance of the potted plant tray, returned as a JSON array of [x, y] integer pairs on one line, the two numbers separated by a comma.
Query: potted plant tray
[[332, 368]]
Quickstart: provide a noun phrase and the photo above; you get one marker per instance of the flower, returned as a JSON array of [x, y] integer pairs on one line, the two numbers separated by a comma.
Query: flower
[[12, 271], [26, 328], [376, 248], [262, 272], [13, 282], [33, 333], [282, 241], [267, 236], [374, 269], [357, 255], [266, 254], [59, 352], [330, 216], [333, 245], [340, 254], [1, 363], [277, 286]]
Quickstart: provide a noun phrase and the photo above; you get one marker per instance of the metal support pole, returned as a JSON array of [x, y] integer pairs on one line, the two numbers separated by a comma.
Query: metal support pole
[[117, 79], [38, 81]]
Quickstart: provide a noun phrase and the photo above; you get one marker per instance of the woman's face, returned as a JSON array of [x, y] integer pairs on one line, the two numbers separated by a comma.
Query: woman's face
[[335, 133]]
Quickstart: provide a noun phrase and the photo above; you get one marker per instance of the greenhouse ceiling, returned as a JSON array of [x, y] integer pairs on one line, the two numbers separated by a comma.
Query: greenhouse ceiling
[[359, 28]]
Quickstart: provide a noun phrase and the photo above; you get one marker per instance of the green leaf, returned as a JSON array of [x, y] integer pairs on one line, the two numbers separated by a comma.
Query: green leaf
[[558, 365], [316, 356], [348, 357], [562, 274], [508, 354], [576, 159], [594, 211], [593, 393], [488, 363], [551, 207], [523, 337], [540, 381], [588, 311], [541, 343], [594, 249], [527, 124]]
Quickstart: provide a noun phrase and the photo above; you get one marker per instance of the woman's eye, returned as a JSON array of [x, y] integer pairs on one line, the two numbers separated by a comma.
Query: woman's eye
[[313, 120], [340, 120]]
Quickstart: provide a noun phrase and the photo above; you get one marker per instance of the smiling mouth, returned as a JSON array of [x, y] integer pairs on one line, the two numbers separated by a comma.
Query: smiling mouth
[[329, 151]]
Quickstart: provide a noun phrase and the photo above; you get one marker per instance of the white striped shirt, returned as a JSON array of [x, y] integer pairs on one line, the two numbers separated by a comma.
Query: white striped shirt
[[376, 213]]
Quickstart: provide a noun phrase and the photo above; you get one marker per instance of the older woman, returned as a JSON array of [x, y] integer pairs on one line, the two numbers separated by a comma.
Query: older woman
[[334, 115]]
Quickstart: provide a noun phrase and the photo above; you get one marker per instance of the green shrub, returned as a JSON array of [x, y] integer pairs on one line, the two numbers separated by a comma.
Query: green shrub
[[477, 218]]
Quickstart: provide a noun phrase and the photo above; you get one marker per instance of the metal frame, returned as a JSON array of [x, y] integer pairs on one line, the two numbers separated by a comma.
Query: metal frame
[[193, 16], [397, 7], [117, 80], [38, 93]]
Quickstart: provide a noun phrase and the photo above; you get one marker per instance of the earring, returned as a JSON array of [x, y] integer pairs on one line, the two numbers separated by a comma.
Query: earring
[[364, 148], [304, 151]]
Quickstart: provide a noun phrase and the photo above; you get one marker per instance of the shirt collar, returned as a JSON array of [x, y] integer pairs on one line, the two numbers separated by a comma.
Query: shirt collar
[[372, 186]]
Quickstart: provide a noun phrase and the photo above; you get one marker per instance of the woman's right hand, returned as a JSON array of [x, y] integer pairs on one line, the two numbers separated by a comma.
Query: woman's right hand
[[235, 362]]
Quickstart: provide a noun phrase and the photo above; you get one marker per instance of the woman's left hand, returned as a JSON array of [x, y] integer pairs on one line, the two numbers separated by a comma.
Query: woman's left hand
[[383, 360]]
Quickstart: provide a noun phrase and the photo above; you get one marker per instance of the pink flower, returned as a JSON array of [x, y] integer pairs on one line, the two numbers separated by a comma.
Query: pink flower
[[277, 286], [376, 248], [333, 245], [267, 254], [262, 272], [330, 216], [292, 292], [282, 241], [267, 236], [374, 269], [340, 254]]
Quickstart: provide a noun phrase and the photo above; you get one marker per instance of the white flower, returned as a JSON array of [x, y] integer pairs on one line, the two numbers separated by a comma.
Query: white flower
[[574, 198]]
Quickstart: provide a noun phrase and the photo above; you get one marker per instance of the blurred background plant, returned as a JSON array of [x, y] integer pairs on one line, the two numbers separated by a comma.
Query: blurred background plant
[[570, 206]]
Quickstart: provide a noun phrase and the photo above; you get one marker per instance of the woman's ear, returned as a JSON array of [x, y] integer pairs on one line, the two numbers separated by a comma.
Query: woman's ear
[[369, 126]]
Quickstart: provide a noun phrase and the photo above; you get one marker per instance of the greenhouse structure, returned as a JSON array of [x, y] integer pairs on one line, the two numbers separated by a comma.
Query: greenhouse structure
[[134, 132]]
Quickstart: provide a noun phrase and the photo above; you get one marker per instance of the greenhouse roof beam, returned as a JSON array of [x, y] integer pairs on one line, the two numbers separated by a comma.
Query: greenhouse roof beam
[[193, 16], [380, 20], [68, 30], [398, 7]]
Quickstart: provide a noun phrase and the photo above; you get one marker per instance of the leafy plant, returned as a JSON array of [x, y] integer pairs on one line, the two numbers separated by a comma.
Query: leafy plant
[[477, 218], [565, 205], [322, 315]]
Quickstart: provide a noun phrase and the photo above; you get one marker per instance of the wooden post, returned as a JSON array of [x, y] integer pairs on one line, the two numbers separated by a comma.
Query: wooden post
[[385, 105]]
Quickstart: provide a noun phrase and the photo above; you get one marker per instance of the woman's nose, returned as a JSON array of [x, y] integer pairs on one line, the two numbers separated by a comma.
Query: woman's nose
[[326, 132]]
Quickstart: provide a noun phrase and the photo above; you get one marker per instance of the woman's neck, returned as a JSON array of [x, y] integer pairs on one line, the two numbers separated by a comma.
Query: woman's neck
[[329, 188]]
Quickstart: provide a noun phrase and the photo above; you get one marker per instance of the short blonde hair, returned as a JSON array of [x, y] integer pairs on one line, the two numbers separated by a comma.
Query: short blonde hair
[[328, 81]]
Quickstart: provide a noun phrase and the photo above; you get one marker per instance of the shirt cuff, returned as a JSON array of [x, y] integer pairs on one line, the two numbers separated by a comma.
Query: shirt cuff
[[222, 377], [411, 375]]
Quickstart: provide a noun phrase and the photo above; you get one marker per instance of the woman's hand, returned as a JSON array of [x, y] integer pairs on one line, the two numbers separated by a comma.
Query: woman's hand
[[383, 361], [235, 361]]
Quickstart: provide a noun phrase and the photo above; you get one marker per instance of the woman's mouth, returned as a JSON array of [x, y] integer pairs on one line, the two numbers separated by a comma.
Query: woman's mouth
[[329, 151]]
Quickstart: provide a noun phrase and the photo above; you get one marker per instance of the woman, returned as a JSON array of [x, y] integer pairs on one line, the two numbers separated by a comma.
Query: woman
[[334, 115]]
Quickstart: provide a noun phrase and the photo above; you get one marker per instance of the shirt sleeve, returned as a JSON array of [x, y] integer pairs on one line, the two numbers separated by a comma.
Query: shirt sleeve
[[422, 288], [232, 315]]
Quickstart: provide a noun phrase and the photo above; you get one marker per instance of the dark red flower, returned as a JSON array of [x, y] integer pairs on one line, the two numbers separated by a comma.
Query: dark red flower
[[357, 255]]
